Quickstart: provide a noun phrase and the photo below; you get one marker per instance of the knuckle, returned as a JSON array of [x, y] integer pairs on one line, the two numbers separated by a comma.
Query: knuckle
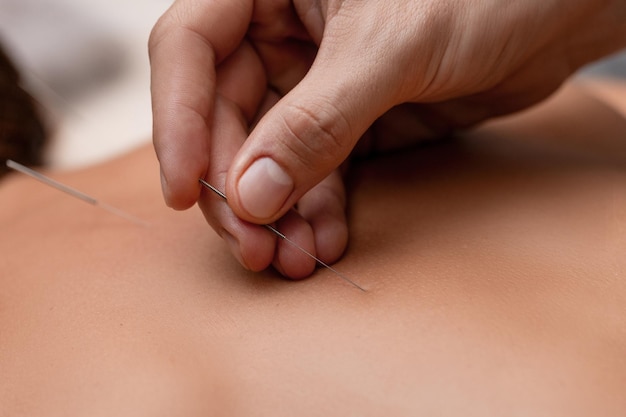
[[154, 39], [317, 134], [159, 32], [173, 19]]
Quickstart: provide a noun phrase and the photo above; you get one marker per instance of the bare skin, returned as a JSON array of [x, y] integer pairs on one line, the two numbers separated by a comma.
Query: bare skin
[[301, 81], [494, 268]]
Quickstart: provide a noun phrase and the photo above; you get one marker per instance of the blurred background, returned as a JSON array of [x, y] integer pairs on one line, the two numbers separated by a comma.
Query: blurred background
[[87, 62]]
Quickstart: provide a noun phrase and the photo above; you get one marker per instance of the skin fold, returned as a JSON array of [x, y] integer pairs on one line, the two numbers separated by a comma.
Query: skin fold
[[493, 262]]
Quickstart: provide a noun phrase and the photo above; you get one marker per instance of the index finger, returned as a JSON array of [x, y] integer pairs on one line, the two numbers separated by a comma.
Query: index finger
[[185, 47]]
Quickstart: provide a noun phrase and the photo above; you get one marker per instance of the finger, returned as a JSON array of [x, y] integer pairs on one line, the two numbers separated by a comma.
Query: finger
[[309, 132], [324, 208], [270, 99], [185, 46], [241, 80], [289, 260], [282, 40], [240, 91], [286, 62], [252, 245]]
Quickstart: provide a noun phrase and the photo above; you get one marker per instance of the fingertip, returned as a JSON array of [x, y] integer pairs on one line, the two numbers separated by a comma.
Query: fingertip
[[253, 247], [235, 249], [179, 195], [256, 259], [298, 270], [324, 208], [331, 237], [263, 189], [290, 260]]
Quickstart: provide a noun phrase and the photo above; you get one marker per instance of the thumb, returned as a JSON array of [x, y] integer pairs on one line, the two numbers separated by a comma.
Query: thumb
[[302, 139]]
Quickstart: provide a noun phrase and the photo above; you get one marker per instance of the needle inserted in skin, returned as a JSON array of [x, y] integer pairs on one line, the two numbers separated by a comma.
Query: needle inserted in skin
[[73, 192], [291, 242]]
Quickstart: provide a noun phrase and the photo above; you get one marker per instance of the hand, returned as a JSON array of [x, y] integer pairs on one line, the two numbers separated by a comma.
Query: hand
[[206, 97], [312, 77]]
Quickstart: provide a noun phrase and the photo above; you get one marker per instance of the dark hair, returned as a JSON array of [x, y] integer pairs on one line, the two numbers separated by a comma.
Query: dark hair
[[22, 132]]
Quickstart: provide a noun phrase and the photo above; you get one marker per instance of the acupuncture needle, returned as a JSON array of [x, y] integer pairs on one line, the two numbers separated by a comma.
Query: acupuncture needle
[[73, 192], [291, 242]]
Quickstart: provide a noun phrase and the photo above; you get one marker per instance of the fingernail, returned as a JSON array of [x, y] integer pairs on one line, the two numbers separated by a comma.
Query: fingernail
[[233, 245], [263, 188]]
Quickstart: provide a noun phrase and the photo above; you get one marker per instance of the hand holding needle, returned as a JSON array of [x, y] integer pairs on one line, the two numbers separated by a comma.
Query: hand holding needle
[[94, 202], [291, 242]]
